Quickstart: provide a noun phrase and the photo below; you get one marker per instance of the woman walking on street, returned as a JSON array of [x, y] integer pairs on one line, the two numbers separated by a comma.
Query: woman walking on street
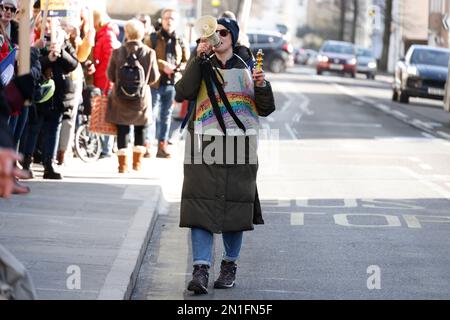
[[219, 193], [132, 69]]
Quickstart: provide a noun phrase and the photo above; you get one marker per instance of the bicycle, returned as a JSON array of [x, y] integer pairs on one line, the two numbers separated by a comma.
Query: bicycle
[[87, 145]]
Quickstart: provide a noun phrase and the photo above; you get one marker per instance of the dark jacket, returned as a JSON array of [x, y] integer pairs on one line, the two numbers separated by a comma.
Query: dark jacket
[[6, 139], [14, 32], [160, 47], [61, 68], [136, 112], [219, 197]]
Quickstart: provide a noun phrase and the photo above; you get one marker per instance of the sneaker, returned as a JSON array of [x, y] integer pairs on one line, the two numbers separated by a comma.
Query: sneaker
[[227, 275], [199, 282]]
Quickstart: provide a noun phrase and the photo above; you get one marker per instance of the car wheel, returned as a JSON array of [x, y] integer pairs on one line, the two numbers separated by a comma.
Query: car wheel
[[394, 95], [319, 73], [404, 97], [353, 75], [277, 65]]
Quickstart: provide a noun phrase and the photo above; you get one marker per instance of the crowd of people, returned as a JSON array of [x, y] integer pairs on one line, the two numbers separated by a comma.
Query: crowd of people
[[72, 57]]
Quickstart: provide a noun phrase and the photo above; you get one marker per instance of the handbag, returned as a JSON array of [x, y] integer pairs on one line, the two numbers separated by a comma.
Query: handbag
[[98, 123]]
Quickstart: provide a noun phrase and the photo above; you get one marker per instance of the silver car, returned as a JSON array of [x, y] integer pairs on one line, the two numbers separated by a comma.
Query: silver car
[[366, 62]]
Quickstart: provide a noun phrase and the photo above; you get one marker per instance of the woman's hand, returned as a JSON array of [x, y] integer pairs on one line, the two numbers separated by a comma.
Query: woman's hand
[[259, 77]]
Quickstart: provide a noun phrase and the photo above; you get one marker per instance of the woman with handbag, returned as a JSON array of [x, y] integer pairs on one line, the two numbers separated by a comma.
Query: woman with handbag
[[132, 68]]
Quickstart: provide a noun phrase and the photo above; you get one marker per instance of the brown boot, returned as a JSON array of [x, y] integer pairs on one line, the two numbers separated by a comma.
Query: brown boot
[[123, 160], [60, 157], [162, 150], [138, 154]]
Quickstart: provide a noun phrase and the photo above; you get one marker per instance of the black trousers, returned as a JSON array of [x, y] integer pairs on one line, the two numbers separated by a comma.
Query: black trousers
[[123, 136]]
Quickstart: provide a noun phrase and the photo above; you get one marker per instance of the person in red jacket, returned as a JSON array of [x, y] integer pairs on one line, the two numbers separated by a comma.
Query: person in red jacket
[[105, 42]]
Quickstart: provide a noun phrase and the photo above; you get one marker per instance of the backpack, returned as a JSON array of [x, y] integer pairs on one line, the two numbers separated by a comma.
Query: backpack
[[131, 78]]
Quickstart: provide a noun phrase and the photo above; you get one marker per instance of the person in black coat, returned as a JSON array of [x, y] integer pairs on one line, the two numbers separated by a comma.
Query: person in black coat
[[57, 61]]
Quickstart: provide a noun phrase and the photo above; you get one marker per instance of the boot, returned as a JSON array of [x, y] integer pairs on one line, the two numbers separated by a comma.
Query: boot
[[26, 165], [162, 150], [199, 282], [227, 275], [138, 154], [60, 157], [123, 160], [49, 171]]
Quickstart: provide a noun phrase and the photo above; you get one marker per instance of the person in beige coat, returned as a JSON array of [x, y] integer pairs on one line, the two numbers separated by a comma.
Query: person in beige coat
[[126, 110]]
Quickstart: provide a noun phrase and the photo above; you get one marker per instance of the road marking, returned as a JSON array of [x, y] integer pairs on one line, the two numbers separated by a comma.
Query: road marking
[[297, 219], [343, 124], [414, 159], [426, 167], [399, 114], [342, 220], [433, 186], [383, 107], [297, 117], [444, 134], [291, 132], [427, 135]]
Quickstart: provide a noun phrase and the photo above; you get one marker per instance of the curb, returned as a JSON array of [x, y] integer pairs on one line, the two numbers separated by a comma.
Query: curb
[[122, 277]]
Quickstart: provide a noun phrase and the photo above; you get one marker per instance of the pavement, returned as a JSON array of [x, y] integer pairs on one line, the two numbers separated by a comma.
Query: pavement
[[84, 237]]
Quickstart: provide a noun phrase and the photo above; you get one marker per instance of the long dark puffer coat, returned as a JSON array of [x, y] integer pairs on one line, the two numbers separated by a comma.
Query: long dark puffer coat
[[220, 197]]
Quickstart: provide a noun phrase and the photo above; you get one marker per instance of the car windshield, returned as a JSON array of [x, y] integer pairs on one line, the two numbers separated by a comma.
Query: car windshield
[[364, 53], [430, 57], [338, 48]]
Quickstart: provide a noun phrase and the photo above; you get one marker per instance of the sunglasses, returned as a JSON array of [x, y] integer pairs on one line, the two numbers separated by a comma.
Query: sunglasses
[[8, 8], [223, 33]]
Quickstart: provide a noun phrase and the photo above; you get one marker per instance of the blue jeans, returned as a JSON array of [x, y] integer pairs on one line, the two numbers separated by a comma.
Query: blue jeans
[[162, 100], [202, 245], [17, 125], [107, 145], [49, 124]]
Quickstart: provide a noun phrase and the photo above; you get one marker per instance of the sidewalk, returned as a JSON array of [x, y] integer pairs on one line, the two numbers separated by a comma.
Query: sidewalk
[[94, 220]]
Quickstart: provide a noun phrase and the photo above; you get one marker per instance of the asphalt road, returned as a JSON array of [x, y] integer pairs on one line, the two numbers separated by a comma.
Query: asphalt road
[[355, 191]]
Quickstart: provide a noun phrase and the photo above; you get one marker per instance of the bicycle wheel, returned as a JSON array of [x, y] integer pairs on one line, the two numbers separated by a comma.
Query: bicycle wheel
[[88, 146]]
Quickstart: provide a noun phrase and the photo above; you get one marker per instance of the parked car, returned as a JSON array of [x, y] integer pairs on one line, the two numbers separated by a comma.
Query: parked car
[[305, 56], [366, 62], [337, 56], [422, 73], [278, 52]]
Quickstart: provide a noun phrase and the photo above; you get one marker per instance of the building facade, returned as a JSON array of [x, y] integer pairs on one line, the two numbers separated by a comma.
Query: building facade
[[438, 34]]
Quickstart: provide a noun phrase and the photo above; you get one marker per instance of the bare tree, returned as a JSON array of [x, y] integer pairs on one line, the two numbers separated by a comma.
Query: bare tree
[[343, 9], [355, 19], [387, 35]]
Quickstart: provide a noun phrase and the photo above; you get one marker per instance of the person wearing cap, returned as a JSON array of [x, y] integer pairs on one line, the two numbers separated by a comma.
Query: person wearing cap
[[8, 10], [219, 191]]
